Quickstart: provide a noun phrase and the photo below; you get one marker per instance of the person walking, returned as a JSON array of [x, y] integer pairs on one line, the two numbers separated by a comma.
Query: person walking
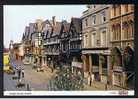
[[20, 71], [89, 79]]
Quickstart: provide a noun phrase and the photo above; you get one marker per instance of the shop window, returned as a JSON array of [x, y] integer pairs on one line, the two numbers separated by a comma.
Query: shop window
[[95, 59]]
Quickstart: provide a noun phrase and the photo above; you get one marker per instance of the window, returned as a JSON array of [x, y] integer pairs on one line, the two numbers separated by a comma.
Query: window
[[132, 27], [126, 8], [86, 22], [125, 30], [95, 59], [93, 39], [85, 40], [103, 17], [132, 7], [103, 38], [114, 10], [94, 19], [113, 33]]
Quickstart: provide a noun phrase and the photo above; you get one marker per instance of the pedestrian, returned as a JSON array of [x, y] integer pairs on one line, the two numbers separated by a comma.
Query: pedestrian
[[89, 79], [23, 73], [20, 71]]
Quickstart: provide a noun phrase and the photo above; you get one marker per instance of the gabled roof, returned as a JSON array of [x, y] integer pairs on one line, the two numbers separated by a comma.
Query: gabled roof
[[47, 22], [77, 24], [26, 32], [56, 29], [23, 37], [47, 33], [65, 28]]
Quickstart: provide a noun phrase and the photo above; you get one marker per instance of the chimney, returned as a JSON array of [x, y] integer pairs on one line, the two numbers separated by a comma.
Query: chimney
[[54, 20]]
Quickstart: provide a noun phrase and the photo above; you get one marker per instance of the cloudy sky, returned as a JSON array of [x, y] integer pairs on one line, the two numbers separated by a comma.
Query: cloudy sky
[[16, 17]]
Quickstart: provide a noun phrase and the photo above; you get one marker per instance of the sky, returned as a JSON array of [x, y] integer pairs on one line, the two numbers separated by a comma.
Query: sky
[[16, 17]]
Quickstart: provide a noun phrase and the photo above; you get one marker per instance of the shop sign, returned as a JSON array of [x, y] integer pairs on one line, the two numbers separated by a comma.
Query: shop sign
[[95, 69], [117, 68], [77, 64]]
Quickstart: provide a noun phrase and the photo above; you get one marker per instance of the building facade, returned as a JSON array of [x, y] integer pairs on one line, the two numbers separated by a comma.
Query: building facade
[[122, 41], [51, 42], [64, 43], [75, 41], [96, 45]]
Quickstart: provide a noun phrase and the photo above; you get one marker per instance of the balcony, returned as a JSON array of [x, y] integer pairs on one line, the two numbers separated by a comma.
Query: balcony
[[75, 50], [118, 68], [51, 41], [75, 39], [52, 52]]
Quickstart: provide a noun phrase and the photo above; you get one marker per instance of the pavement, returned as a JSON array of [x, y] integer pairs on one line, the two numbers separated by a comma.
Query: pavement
[[101, 87], [42, 81], [35, 80]]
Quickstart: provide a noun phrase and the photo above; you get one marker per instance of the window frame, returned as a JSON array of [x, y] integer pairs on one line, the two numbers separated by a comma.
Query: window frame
[[103, 16], [93, 19]]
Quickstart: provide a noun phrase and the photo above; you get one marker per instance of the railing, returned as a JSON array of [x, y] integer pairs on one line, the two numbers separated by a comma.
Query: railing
[[54, 52], [49, 42], [76, 38], [118, 68]]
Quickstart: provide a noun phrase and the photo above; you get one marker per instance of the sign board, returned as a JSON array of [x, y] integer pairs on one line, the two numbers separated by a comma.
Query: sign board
[[77, 64], [95, 69], [107, 52], [118, 68]]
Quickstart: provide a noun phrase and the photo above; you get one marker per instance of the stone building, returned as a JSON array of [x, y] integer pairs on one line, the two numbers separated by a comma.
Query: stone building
[[122, 42], [95, 44]]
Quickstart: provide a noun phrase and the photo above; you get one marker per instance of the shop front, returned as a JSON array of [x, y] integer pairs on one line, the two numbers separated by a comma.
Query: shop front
[[118, 79]]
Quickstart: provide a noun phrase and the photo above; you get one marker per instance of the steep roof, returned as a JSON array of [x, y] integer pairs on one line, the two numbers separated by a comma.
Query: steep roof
[[26, 32], [65, 28], [77, 24], [47, 33], [57, 29], [23, 37]]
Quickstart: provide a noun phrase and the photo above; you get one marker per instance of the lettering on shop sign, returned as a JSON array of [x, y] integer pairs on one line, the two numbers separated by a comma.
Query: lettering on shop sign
[[117, 68], [77, 64]]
